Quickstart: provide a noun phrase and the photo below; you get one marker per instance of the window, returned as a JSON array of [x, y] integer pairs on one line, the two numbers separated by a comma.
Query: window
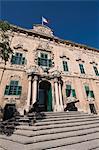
[[65, 66], [82, 68], [18, 59], [92, 94], [96, 70], [44, 61], [13, 88], [73, 93], [89, 92], [70, 91]]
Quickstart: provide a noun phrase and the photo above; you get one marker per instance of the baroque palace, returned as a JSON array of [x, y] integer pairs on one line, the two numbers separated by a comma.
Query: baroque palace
[[57, 74]]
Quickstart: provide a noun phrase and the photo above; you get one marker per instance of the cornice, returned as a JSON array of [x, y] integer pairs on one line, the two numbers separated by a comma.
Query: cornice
[[52, 38]]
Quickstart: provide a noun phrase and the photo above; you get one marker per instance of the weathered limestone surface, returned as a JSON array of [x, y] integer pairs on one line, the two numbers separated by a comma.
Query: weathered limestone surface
[[41, 39]]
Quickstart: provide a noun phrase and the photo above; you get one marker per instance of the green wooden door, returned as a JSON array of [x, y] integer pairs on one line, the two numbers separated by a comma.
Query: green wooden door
[[49, 100]]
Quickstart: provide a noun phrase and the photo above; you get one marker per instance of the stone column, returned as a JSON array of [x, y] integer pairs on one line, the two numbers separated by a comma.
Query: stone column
[[34, 97], [29, 93], [60, 97], [57, 105]]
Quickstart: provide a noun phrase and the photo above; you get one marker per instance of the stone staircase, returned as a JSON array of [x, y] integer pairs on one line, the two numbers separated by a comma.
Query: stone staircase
[[55, 131]]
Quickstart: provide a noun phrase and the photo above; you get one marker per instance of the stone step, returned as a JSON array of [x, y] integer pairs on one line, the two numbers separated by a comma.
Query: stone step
[[49, 137], [41, 123], [58, 116], [26, 120], [77, 143], [64, 112], [31, 133], [63, 142], [67, 118], [54, 131], [48, 114], [51, 126], [88, 145]]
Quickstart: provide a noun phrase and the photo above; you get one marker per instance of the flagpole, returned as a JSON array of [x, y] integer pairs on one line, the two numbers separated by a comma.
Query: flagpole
[[42, 21]]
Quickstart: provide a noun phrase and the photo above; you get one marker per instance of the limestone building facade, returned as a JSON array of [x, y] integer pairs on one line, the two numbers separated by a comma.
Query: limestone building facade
[[58, 74]]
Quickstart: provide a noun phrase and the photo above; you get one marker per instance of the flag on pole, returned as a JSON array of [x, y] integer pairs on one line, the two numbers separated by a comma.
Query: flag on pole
[[44, 20]]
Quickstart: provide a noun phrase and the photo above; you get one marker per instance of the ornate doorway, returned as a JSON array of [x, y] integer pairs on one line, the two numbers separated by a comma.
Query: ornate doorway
[[45, 96]]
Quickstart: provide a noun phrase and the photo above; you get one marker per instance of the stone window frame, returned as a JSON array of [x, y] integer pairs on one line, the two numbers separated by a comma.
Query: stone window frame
[[71, 90], [50, 56], [65, 59], [13, 88], [96, 71], [89, 93], [82, 68], [94, 65], [21, 60]]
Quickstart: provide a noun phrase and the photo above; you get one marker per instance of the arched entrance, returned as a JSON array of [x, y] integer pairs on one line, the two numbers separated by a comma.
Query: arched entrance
[[45, 96]]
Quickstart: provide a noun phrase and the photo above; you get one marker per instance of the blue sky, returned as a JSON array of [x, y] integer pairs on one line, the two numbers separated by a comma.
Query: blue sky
[[77, 21]]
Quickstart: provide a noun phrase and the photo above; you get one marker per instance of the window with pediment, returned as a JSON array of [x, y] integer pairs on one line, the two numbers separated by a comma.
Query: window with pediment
[[89, 93], [65, 66], [82, 70], [18, 59], [13, 88], [70, 91], [96, 70], [44, 59]]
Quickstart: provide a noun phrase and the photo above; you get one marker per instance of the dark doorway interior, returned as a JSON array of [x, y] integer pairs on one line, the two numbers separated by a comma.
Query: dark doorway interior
[[92, 108], [9, 111], [45, 96]]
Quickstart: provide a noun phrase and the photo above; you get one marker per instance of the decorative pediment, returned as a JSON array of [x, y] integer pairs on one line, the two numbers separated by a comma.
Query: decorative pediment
[[43, 29], [56, 73], [94, 63], [64, 56], [15, 77], [80, 60], [19, 47], [32, 70], [44, 46]]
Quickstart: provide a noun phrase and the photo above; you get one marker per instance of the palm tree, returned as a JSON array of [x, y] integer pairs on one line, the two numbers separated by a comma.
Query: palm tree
[[5, 49]]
